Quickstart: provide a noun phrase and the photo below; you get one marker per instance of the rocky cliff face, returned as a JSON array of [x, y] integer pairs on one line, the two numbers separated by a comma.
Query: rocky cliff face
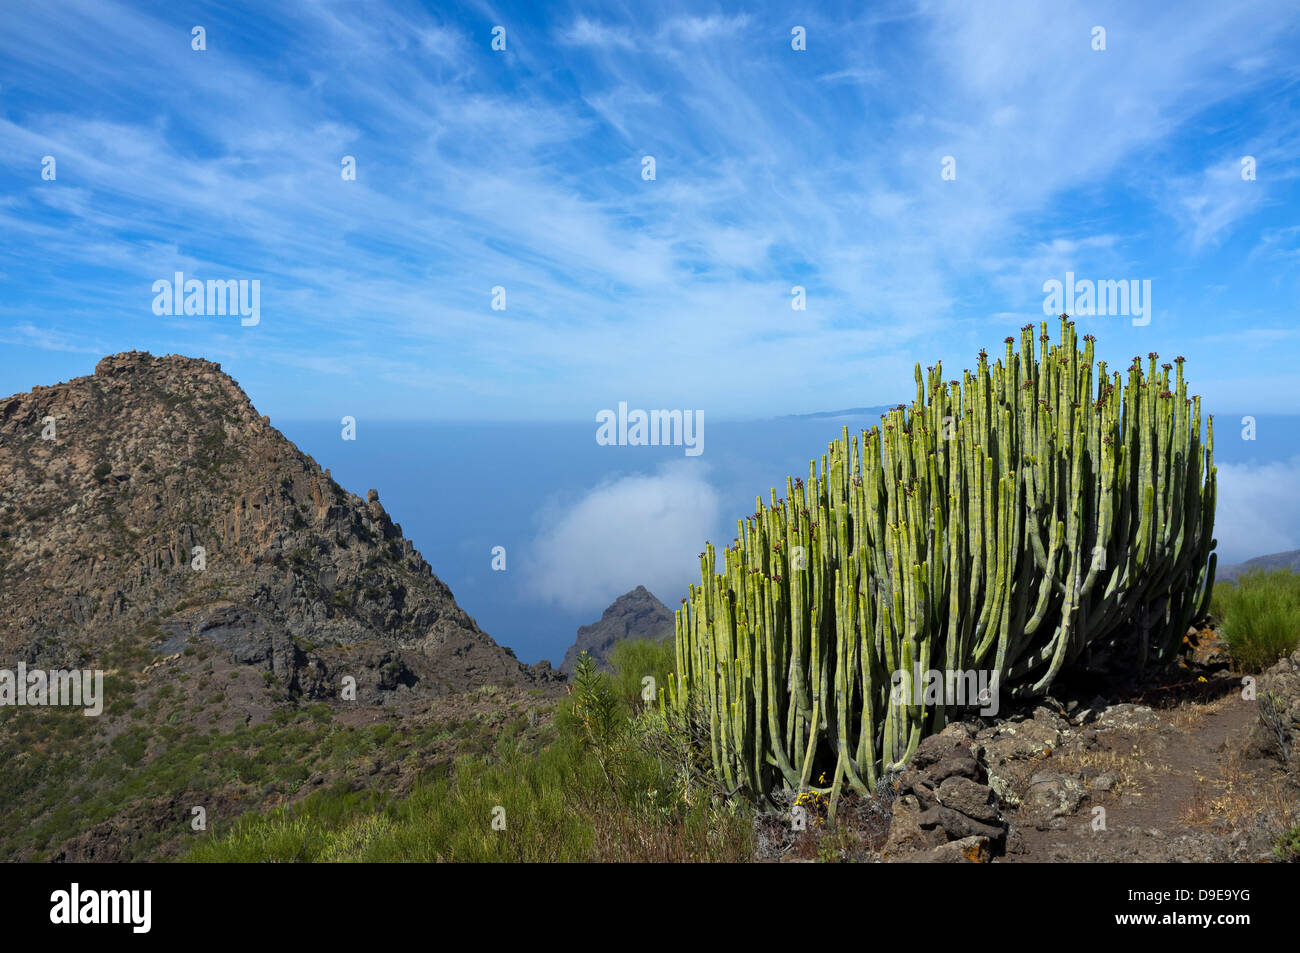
[[152, 499], [633, 615]]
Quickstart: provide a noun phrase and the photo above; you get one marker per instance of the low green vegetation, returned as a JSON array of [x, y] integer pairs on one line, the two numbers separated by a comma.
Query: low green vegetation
[[151, 758], [632, 661], [1259, 616], [1288, 846], [620, 782]]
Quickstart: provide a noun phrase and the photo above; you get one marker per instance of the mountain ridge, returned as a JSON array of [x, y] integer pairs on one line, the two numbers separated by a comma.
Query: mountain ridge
[[151, 495], [1290, 559]]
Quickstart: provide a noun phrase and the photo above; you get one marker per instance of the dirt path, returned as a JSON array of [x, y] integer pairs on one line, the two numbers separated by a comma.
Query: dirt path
[[1171, 785]]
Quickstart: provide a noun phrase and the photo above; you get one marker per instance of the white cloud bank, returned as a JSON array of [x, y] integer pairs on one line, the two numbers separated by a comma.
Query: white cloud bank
[[642, 530], [647, 529], [1258, 509]]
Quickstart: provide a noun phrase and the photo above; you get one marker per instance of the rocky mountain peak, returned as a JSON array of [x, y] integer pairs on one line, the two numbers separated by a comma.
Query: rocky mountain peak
[[633, 615], [152, 497]]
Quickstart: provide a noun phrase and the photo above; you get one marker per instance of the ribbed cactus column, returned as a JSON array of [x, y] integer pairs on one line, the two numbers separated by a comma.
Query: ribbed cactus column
[[1036, 512]]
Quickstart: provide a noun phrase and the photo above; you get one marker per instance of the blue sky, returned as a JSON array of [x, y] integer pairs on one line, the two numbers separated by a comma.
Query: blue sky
[[522, 169]]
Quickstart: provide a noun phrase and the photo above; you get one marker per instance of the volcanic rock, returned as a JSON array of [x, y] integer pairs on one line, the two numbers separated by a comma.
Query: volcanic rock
[[151, 498], [633, 615]]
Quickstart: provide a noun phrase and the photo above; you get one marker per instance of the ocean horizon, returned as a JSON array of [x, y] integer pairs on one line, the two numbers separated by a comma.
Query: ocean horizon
[[459, 489]]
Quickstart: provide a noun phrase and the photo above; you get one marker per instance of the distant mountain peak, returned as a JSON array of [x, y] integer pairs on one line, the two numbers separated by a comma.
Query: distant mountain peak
[[634, 615]]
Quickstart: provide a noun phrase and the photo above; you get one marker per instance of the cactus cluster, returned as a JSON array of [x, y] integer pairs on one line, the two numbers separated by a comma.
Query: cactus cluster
[[1008, 523]]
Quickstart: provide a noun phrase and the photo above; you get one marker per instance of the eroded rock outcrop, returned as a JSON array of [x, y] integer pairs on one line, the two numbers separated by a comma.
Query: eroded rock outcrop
[[944, 809], [633, 615], [1276, 733]]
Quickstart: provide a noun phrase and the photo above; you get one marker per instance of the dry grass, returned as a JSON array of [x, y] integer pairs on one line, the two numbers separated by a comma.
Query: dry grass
[[857, 833], [1196, 811], [630, 839], [1241, 798], [1129, 767], [1188, 715]]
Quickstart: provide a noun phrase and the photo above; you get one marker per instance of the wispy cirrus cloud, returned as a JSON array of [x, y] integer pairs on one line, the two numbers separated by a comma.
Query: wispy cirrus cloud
[[524, 170], [695, 29], [584, 32]]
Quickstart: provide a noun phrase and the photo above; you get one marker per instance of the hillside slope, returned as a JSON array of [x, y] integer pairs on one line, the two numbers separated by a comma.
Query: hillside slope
[[1288, 560], [152, 497]]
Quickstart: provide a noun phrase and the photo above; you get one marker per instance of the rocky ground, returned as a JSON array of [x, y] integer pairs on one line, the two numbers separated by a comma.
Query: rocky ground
[[1187, 771]]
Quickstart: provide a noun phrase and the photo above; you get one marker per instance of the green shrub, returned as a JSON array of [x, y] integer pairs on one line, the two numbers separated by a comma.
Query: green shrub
[[276, 837], [633, 660], [1287, 847], [600, 790], [1259, 617], [131, 746]]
